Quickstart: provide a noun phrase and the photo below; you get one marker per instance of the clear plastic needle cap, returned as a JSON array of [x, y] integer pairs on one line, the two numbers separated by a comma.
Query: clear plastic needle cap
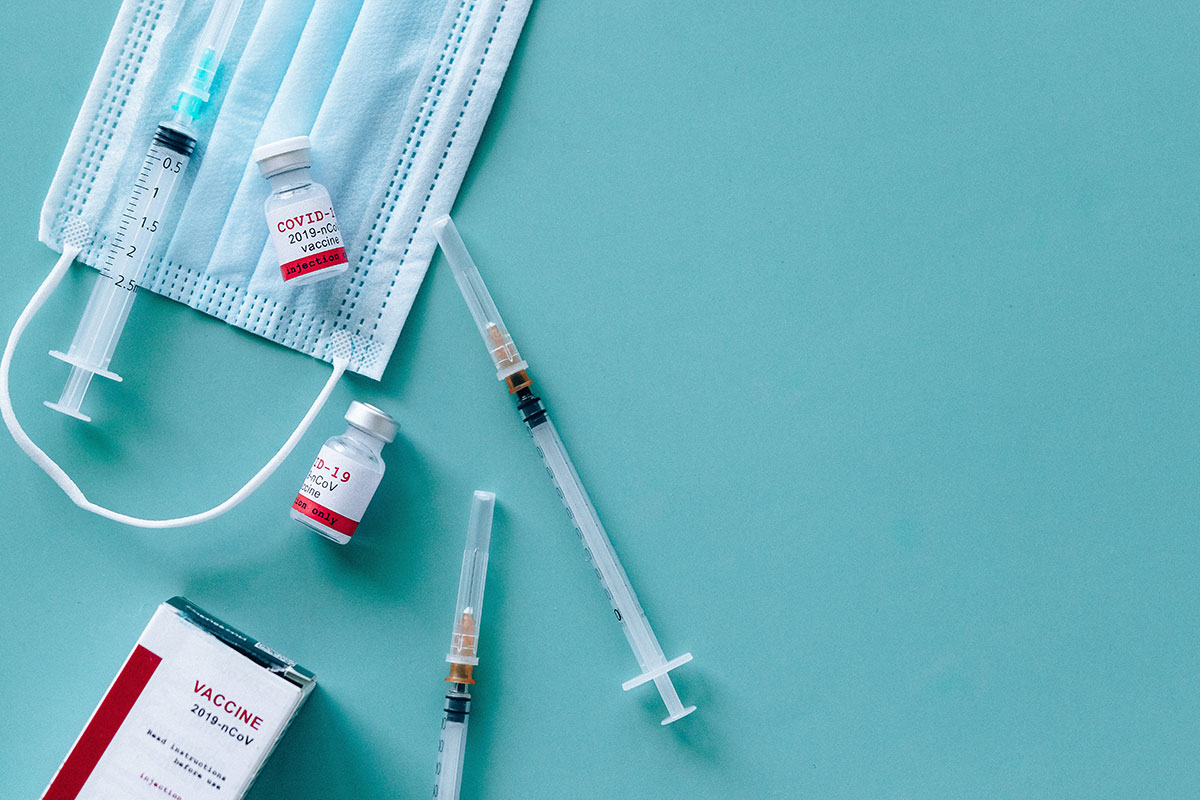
[[487, 317], [195, 90], [468, 611]]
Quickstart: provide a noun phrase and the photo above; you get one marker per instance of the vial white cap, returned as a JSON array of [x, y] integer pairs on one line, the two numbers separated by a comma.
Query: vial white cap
[[283, 155], [374, 421]]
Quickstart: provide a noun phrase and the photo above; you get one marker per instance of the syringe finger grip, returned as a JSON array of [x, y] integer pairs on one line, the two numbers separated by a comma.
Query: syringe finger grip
[[651, 674]]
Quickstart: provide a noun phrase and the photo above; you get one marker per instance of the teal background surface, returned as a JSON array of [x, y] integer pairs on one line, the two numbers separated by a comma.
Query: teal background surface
[[873, 332]]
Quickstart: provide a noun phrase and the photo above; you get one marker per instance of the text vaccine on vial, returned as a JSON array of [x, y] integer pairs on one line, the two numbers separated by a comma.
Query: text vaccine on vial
[[344, 477], [300, 216]]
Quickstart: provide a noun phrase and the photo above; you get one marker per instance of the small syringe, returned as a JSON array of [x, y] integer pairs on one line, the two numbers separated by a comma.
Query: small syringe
[[513, 370], [123, 263], [464, 648]]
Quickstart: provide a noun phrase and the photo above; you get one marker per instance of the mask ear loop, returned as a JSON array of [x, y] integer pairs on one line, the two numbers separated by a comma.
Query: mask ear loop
[[59, 476]]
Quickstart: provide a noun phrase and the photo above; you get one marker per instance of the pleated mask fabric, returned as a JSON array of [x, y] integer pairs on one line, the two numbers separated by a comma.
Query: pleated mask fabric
[[394, 96]]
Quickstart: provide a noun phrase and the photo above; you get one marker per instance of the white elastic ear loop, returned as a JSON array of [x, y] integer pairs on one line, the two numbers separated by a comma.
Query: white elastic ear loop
[[59, 476]]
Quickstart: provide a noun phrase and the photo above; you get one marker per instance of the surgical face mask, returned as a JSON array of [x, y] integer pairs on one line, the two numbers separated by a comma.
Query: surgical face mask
[[393, 95]]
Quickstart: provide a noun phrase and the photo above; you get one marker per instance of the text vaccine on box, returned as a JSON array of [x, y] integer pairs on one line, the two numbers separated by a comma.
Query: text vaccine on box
[[193, 714]]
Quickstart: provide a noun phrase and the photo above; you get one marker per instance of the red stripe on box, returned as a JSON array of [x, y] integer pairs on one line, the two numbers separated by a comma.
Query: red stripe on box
[[94, 740], [321, 514], [322, 260]]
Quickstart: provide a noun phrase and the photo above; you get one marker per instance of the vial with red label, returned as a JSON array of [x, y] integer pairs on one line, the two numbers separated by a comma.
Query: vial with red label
[[343, 479], [300, 218]]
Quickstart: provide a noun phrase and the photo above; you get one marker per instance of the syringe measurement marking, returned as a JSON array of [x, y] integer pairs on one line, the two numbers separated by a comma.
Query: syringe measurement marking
[[587, 551], [142, 199]]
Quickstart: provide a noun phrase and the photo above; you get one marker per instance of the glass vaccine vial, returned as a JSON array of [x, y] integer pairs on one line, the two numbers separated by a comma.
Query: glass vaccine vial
[[300, 218], [343, 479]]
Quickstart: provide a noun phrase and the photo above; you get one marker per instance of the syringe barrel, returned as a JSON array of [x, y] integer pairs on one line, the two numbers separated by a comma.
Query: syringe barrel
[[123, 263], [625, 605], [452, 750], [600, 553]]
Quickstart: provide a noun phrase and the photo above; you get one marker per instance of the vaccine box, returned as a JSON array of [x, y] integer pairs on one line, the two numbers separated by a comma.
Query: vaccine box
[[192, 715]]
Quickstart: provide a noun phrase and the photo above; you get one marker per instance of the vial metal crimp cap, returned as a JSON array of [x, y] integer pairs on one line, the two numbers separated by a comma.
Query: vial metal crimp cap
[[283, 155], [372, 420]]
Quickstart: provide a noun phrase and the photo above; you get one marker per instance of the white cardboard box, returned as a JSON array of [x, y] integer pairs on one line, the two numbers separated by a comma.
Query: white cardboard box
[[192, 715]]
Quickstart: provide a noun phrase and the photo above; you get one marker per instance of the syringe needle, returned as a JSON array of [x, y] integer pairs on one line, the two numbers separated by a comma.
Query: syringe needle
[[514, 372]]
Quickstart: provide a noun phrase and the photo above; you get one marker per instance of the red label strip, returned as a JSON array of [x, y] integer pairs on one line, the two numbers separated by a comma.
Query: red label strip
[[328, 518], [303, 266], [104, 724]]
